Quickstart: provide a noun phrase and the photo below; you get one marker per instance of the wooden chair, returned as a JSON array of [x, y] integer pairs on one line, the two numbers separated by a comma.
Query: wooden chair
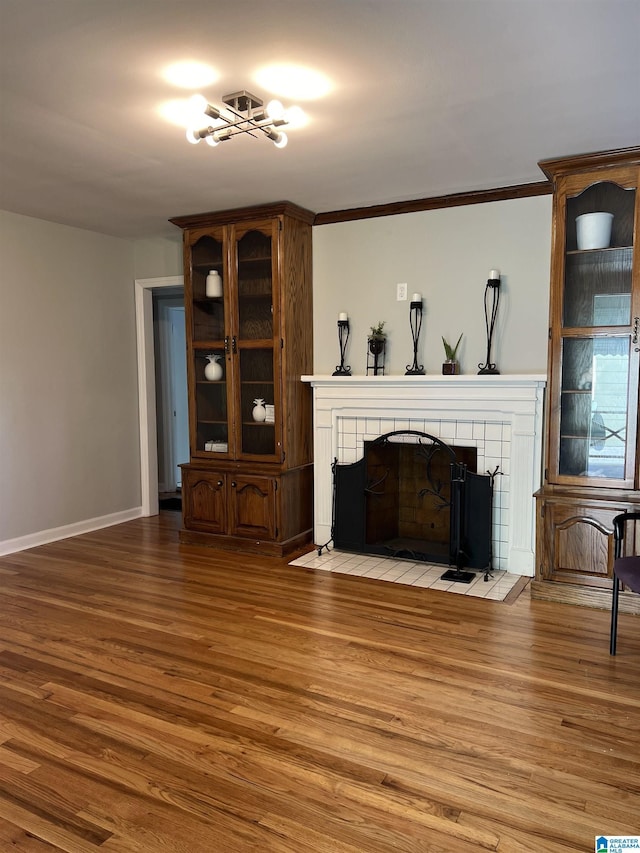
[[626, 570]]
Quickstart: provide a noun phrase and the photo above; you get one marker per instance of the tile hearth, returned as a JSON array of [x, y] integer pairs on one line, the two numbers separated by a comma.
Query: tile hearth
[[425, 575]]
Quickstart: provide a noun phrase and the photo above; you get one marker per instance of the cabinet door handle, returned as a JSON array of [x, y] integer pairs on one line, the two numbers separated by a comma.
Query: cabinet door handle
[[636, 321], [234, 344], [220, 482], [226, 343], [233, 484]]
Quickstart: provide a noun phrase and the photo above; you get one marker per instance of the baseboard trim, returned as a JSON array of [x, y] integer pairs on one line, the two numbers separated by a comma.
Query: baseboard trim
[[584, 596], [54, 534], [267, 548]]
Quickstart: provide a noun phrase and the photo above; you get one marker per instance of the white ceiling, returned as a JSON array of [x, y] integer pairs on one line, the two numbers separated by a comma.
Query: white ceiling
[[429, 97]]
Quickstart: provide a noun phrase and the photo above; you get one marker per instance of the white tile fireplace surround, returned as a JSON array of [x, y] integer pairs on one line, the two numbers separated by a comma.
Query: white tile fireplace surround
[[501, 416]]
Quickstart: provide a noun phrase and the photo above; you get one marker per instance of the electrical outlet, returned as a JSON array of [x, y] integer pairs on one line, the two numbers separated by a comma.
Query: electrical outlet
[[401, 291]]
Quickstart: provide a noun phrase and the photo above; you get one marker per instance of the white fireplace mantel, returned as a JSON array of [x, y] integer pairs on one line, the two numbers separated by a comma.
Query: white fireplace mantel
[[501, 416]]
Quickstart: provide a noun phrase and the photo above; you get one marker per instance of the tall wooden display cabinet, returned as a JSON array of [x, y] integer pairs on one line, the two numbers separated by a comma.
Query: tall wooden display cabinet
[[592, 453], [248, 307]]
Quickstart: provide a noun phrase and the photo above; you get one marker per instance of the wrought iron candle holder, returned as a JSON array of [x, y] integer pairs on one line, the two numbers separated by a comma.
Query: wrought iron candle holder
[[343, 337], [491, 294], [415, 321]]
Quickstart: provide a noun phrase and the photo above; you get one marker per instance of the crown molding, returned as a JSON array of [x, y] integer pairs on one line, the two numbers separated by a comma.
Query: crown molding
[[435, 203]]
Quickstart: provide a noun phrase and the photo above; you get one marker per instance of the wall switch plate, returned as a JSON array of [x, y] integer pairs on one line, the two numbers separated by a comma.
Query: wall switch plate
[[401, 289]]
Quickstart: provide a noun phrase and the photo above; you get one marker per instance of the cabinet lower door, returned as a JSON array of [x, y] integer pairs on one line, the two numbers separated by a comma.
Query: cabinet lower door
[[252, 507], [203, 500], [577, 544]]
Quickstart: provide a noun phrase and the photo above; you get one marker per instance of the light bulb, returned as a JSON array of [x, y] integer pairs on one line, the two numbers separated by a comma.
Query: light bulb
[[212, 112], [193, 136], [219, 136], [275, 110], [282, 140], [279, 139]]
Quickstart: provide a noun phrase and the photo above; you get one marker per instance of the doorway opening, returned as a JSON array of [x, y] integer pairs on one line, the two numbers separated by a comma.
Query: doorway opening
[[144, 291], [171, 394]]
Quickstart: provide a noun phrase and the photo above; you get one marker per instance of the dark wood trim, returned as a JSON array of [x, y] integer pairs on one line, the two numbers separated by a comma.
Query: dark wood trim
[[584, 596], [435, 203], [244, 214], [551, 167], [267, 548], [556, 166]]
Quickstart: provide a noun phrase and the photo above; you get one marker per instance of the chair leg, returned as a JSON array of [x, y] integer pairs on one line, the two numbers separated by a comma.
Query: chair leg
[[614, 616]]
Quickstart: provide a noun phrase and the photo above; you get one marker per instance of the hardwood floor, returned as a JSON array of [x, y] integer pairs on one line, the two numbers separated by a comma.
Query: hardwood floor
[[162, 697]]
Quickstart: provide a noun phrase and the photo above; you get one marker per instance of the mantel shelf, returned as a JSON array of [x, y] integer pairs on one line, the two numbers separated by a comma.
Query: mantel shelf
[[401, 381]]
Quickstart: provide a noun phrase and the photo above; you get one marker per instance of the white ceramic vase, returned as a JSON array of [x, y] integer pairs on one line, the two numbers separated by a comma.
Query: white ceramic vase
[[259, 412], [213, 370], [593, 230], [213, 286]]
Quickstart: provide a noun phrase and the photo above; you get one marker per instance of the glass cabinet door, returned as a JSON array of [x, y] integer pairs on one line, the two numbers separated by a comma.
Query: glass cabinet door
[[594, 407], [598, 376], [210, 432], [258, 352]]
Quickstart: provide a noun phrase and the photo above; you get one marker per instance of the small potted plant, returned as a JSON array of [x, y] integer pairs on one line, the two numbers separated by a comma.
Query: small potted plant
[[377, 338], [376, 342], [451, 366]]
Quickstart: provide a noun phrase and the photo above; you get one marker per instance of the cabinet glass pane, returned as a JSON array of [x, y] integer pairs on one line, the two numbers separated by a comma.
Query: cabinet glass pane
[[212, 431], [593, 406], [598, 288], [255, 287], [208, 311], [598, 281], [257, 401]]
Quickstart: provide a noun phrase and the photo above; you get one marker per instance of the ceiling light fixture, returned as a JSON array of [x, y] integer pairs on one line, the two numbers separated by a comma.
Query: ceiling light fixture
[[245, 113]]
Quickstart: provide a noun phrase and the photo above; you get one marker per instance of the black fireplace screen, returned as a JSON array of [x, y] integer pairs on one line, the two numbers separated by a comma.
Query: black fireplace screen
[[413, 496]]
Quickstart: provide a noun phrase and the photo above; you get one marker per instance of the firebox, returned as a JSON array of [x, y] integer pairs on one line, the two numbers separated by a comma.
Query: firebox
[[413, 496]]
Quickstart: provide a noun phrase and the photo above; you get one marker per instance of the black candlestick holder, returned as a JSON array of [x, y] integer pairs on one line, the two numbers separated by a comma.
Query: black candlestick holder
[[415, 321], [492, 288], [343, 337]]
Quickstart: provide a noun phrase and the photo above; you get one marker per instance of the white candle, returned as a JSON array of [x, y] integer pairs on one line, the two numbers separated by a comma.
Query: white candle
[[494, 274], [417, 297], [342, 316]]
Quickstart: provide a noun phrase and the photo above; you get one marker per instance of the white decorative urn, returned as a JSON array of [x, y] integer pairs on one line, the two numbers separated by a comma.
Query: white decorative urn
[[259, 412], [213, 370], [213, 285]]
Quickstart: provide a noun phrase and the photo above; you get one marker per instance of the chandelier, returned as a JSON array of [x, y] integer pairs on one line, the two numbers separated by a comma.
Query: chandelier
[[245, 113]]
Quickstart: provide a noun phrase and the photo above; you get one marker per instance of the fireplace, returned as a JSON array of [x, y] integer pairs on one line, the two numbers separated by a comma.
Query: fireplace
[[413, 496], [498, 417]]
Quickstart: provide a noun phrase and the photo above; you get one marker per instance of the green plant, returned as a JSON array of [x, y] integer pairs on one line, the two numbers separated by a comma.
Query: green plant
[[378, 331], [450, 351]]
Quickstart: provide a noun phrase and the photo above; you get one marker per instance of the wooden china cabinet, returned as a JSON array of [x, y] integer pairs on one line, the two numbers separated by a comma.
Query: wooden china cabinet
[[249, 482], [592, 439]]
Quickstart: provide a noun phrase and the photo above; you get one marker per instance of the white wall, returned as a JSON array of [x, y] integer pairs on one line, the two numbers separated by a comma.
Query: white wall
[[446, 255], [69, 446], [69, 436], [155, 257]]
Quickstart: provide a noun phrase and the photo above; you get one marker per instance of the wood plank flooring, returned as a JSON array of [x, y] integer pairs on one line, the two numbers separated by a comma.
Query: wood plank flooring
[[161, 697]]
